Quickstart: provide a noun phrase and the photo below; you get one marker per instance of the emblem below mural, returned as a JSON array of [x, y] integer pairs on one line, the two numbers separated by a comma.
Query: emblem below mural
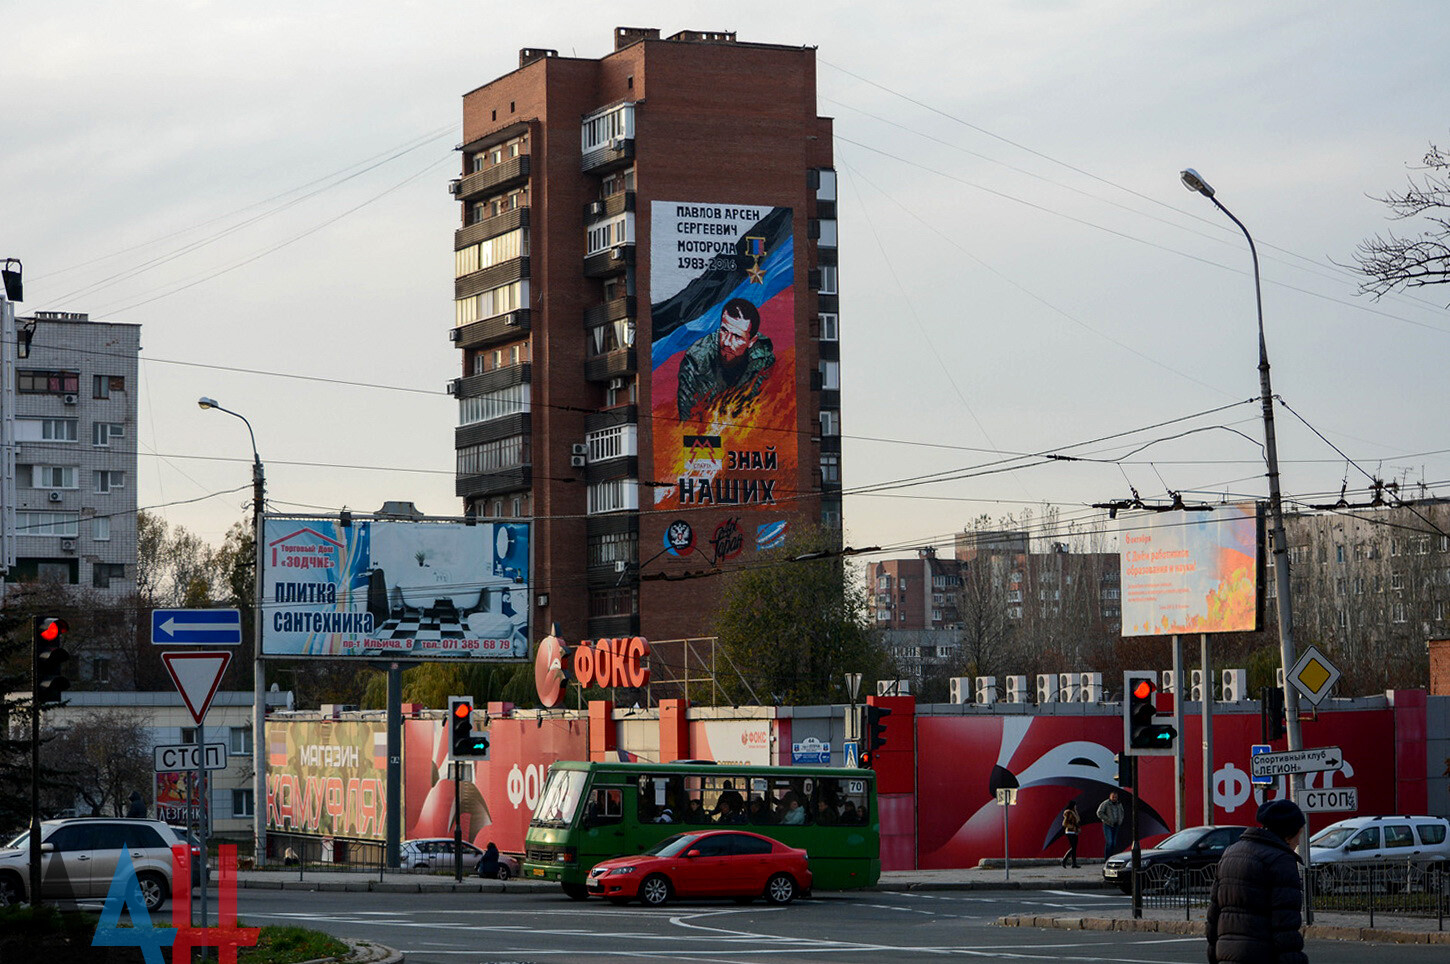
[[421, 590], [723, 364]]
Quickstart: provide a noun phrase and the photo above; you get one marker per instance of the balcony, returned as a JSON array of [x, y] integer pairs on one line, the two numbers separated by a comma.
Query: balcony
[[611, 627], [491, 227], [611, 261], [609, 207], [511, 479], [616, 310], [610, 417], [608, 157], [514, 269], [492, 430], [494, 180], [493, 381], [508, 326], [619, 467], [609, 365]]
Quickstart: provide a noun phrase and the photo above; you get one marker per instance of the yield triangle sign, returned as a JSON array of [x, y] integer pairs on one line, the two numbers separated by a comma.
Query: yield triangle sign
[[197, 674]]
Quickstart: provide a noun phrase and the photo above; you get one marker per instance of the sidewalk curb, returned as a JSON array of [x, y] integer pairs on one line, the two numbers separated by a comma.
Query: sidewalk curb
[[992, 885], [1313, 931], [370, 952]]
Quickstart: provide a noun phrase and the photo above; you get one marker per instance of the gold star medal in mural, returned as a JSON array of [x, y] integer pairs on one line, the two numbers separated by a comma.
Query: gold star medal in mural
[[755, 249]]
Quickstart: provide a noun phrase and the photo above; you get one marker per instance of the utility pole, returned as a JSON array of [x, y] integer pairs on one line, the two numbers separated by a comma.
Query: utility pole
[[10, 292]]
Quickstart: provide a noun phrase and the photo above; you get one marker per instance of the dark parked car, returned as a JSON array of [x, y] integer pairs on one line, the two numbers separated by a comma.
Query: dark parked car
[[1193, 849]]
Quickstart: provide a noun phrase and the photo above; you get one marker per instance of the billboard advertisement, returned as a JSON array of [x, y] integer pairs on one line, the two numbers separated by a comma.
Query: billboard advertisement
[[421, 590], [1059, 759], [723, 371], [1192, 572], [328, 778]]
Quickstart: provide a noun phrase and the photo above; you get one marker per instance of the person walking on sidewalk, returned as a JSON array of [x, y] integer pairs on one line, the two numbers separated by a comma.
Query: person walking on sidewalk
[[1070, 824], [1110, 812], [1253, 909]]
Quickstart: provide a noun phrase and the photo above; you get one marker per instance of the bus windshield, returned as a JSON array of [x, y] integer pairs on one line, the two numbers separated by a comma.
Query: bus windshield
[[560, 799]]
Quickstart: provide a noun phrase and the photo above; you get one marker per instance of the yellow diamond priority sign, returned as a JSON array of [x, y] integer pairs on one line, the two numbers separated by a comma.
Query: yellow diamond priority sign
[[1314, 675]]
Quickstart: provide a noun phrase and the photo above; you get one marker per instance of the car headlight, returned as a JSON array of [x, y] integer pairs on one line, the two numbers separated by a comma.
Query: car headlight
[[620, 870]]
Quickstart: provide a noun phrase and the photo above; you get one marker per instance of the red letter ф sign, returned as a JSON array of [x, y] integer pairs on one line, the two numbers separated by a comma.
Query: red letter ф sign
[[611, 662]]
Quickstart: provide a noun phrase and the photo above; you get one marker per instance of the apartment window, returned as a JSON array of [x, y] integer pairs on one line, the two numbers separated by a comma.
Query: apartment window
[[1339, 587], [53, 477], [830, 422], [830, 468], [103, 432], [618, 601], [613, 495], [101, 528], [1397, 580], [827, 237], [611, 336], [242, 803], [604, 235], [1422, 546], [1343, 619], [1439, 612], [606, 550], [480, 211], [109, 480], [1399, 612], [825, 184], [46, 523], [493, 456], [103, 574], [1339, 553], [486, 254], [31, 381], [103, 385], [100, 669], [830, 376], [513, 400], [828, 279], [830, 327], [240, 740], [45, 430], [612, 443], [1359, 585], [1394, 547], [616, 183], [490, 303], [623, 395], [599, 130]]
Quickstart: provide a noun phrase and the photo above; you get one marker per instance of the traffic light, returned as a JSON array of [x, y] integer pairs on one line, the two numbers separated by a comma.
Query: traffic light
[[463, 743], [50, 682], [1140, 707], [1125, 769], [875, 733], [1272, 715]]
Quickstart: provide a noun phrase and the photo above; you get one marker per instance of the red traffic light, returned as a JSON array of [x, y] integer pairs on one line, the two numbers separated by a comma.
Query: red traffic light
[[53, 629], [1143, 689], [463, 710]]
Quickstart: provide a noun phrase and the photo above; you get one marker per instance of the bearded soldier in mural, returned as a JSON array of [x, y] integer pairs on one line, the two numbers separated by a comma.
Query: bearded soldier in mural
[[730, 363]]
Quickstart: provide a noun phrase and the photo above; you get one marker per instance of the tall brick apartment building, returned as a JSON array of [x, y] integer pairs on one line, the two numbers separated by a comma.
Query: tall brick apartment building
[[646, 315]]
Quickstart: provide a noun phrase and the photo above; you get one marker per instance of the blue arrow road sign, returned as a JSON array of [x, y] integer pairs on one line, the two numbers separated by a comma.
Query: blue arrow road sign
[[209, 627], [1255, 750]]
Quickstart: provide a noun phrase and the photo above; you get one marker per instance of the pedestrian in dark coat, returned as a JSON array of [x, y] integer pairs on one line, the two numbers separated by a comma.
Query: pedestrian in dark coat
[[1253, 913]]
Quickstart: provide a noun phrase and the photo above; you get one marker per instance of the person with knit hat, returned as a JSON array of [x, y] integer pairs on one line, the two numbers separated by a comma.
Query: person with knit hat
[[1253, 911]]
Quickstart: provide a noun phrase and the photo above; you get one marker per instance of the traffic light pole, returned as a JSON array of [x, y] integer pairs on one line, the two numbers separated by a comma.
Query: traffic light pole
[[457, 822], [35, 761], [1137, 850]]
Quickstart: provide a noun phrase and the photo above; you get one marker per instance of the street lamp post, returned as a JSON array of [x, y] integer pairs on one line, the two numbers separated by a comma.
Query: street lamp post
[[1194, 182], [259, 688]]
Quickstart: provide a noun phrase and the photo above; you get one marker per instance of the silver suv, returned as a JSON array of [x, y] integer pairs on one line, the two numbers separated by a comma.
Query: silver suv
[[1364, 841], [79, 856]]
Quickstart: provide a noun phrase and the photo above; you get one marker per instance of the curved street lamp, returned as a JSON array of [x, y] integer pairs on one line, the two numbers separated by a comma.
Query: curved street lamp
[[259, 693]]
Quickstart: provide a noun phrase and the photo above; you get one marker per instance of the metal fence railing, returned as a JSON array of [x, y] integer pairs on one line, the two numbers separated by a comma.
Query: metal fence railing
[[1177, 888], [1401, 889]]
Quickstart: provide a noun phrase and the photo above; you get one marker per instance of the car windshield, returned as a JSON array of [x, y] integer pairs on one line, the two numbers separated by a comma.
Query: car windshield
[[1331, 837], [560, 799], [672, 845], [1182, 840]]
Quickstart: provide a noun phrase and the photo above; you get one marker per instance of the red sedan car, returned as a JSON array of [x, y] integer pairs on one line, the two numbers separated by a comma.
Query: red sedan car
[[719, 863]]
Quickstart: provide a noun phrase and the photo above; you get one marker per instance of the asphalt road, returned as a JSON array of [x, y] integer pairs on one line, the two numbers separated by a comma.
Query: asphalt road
[[858, 928]]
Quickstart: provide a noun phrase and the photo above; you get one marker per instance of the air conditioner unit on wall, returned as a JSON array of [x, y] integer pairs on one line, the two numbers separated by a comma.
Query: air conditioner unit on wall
[[960, 688], [596, 208], [1167, 677], [1017, 689], [511, 320], [577, 461], [68, 399], [1090, 688], [578, 448], [68, 545], [1195, 686], [1067, 687], [1235, 685], [455, 186], [617, 143], [617, 252], [1047, 687], [54, 496], [617, 384], [454, 334]]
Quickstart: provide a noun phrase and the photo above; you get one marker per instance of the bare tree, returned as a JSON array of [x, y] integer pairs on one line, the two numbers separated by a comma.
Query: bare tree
[[1390, 261], [99, 759]]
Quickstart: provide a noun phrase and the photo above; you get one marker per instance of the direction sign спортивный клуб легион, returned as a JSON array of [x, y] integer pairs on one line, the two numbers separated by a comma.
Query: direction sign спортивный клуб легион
[[1312, 760]]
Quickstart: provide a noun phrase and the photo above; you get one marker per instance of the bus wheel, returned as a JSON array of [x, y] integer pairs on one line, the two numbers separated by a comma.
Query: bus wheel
[[780, 889], [575, 891], [654, 891]]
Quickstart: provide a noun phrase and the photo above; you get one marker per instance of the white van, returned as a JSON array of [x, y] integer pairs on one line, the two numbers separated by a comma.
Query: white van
[[1383, 840]]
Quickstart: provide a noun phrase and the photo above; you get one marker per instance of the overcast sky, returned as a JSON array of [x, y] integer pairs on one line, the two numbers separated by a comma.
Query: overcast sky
[[263, 187]]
